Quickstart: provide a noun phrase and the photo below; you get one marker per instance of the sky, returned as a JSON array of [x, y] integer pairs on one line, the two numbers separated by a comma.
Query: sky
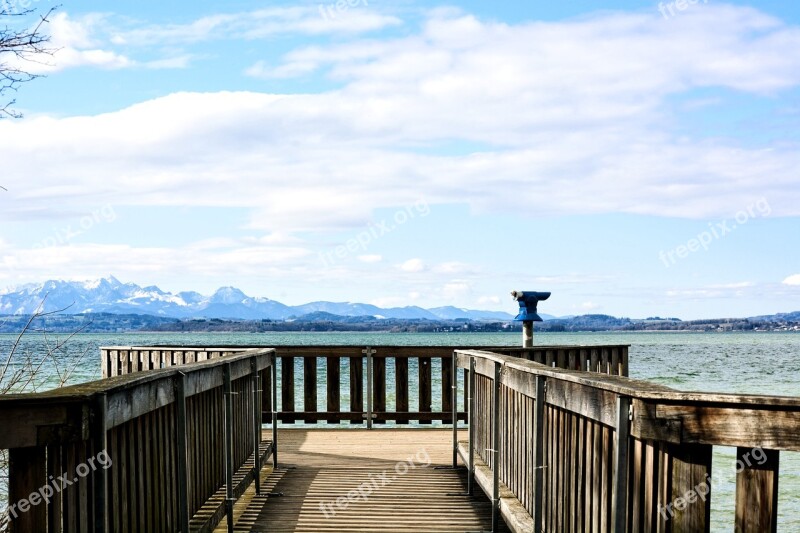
[[634, 158]]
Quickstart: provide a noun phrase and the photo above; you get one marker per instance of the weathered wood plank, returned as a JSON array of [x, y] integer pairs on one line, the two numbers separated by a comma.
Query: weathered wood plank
[[756, 490], [401, 386], [378, 388], [596, 404], [357, 387], [310, 388], [425, 392], [689, 510], [287, 388], [334, 388], [720, 425], [27, 473], [447, 389]]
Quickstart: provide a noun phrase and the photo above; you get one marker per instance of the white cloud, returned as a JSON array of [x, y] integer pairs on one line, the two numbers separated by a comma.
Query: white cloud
[[456, 290], [734, 285], [792, 280], [413, 266], [73, 45], [174, 62], [452, 267], [572, 112], [217, 258], [589, 307], [259, 24], [370, 258], [489, 300]]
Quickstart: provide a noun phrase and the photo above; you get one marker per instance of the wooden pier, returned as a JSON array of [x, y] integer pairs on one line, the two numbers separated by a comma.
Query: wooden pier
[[393, 480], [550, 439]]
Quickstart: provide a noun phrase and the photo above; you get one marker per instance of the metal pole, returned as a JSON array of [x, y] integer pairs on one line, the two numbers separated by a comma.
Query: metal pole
[[228, 390], [496, 446], [101, 475], [527, 334], [454, 370], [471, 376], [180, 429], [256, 424], [274, 410]]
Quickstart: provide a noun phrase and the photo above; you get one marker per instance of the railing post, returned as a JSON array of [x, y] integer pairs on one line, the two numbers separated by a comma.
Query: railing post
[[100, 438], [275, 410], [496, 447], [756, 490], [471, 422], [619, 496], [454, 402], [538, 452], [183, 471], [690, 468], [256, 423], [228, 394], [369, 351]]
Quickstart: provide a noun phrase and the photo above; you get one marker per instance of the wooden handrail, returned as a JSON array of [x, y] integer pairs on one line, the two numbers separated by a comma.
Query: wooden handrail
[[158, 433], [578, 451]]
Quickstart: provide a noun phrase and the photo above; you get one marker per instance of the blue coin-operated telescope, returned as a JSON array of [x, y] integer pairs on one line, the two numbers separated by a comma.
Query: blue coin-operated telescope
[[528, 300], [527, 304]]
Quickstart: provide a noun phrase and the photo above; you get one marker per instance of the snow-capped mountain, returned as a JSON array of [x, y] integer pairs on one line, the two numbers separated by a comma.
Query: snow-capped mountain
[[109, 295]]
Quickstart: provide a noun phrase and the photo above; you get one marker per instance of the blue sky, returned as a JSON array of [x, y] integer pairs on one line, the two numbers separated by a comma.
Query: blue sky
[[634, 158]]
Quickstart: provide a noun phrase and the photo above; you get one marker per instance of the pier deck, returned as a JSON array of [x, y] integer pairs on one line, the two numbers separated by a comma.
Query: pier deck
[[330, 463]]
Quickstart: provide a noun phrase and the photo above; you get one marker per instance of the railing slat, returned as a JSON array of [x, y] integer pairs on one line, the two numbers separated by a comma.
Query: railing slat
[[447, 390], [401, 386], [424, 387], [287, 388], [310, 388], [379, 387], [357, 385], [333, 387]]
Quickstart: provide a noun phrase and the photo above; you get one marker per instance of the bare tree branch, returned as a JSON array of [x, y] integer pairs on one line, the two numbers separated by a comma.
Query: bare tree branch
[[25, 370], [17, 48]]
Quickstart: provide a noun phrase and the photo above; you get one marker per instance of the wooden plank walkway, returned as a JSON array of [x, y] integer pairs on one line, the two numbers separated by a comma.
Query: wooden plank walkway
[[393, 468]]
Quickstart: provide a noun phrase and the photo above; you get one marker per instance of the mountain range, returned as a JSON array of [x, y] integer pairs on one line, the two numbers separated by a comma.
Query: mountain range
[[109, 295]]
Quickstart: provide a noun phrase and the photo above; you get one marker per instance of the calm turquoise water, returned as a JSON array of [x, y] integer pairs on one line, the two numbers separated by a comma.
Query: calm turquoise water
[[756, 363]]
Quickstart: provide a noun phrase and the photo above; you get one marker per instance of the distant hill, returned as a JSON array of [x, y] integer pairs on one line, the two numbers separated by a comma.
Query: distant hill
[[109, 295], [108, 305]]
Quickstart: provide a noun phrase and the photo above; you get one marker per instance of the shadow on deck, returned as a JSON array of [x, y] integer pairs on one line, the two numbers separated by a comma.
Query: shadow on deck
[[321, 470]]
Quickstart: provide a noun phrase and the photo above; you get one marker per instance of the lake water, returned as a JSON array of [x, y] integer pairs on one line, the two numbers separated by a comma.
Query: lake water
[[756, 363]]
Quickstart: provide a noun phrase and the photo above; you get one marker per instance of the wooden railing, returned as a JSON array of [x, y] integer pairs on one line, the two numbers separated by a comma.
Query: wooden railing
[[371, 377], [159, 450], [563, 450]]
